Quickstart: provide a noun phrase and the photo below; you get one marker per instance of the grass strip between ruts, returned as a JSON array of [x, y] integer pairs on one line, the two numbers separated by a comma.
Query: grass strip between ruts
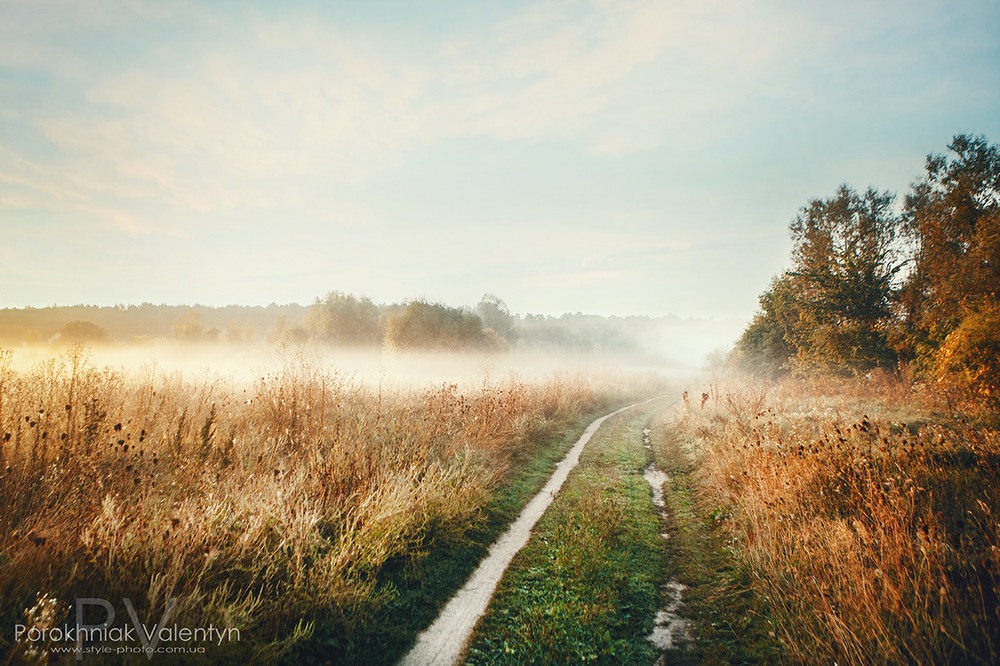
[[586, 587]]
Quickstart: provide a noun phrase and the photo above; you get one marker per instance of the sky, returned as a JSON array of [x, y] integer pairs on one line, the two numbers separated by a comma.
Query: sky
[[607, 157]]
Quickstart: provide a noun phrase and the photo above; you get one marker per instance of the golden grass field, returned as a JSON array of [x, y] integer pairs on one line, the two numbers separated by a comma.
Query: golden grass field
[[867, 515], [864, 511], [269, 506]]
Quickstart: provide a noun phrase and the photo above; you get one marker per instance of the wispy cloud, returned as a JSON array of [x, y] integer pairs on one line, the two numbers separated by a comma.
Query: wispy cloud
[[271, 111], [528, 137]]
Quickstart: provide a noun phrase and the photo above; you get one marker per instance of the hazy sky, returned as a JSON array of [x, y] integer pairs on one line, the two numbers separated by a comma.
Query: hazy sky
[[609, 157]]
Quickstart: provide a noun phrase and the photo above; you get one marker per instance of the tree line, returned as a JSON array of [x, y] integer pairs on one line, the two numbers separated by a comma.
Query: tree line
[[876, 282], [346, 320], [95, 325], [339, 319]]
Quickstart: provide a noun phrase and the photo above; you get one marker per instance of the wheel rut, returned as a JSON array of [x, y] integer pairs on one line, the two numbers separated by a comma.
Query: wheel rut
[[671, 631]]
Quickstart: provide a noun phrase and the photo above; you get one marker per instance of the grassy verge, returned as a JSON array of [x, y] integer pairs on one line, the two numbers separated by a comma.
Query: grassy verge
[[418, 590], [865, 518], [586, 587], [731, 625]]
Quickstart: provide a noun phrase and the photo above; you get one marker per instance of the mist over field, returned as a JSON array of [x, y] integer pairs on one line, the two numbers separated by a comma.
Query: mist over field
[[242, 365], [409, 343], [676, 350]]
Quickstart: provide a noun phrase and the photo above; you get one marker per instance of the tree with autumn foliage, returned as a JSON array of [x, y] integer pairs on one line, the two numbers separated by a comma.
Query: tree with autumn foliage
[[834, 309], [949, 323], [872, 288]]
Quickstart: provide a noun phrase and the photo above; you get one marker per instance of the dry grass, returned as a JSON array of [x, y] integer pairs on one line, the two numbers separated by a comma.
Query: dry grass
[[269, 507], [872, 534]]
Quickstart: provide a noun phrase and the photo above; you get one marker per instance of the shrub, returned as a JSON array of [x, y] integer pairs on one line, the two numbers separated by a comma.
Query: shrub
[[423, 325], [86, 332], [970, 355]]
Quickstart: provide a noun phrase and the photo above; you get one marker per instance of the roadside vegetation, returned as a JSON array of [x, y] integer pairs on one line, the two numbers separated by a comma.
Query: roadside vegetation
[[911, 291], [853, 458], [296, 509], [862, 517]]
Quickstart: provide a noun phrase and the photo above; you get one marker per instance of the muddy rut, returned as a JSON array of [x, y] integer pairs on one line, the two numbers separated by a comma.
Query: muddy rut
[[671, 631]]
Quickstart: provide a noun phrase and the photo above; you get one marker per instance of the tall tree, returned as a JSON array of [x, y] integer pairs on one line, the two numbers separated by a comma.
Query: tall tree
[[833, 310], [497, 316], [953, 218], [345, 319], [845, 261], [767, 345]]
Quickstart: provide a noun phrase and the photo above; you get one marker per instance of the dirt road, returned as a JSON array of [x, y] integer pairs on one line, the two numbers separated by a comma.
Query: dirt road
[[442, 643]]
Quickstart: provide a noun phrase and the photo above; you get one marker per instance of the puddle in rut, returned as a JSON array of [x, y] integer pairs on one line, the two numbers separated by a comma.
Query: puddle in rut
[[656, 479], [671, 631]]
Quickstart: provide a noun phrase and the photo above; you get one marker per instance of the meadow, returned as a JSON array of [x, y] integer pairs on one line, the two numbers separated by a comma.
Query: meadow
[[282, 506], [861, 513], [328, 517]]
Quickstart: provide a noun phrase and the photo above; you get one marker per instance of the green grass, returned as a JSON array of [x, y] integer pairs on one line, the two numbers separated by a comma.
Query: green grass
[[586, 587], [417, 590], [731, 625]]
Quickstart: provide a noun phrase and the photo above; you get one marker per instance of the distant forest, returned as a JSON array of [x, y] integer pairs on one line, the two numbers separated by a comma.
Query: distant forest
[[345, 320], [92, 324]]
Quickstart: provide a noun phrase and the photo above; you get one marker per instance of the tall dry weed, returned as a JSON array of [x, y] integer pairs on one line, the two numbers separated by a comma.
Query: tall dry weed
[[872, 539], [269, 507]]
